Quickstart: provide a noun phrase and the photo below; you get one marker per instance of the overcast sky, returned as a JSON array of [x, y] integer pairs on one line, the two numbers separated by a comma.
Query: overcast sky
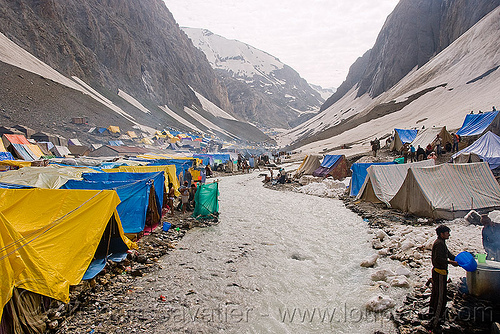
[[320, 39]]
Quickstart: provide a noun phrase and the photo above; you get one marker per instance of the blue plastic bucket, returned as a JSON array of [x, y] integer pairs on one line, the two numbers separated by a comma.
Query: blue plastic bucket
[[466, 261], [166, 226]]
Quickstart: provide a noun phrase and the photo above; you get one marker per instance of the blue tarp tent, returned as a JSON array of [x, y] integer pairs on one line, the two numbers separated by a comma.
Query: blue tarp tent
[[487, 148], [359, 174], [401, 137], [158, 181], [476, 124], [212, 158], [134, 197], [334, 165], [6, 156], [13, 186]]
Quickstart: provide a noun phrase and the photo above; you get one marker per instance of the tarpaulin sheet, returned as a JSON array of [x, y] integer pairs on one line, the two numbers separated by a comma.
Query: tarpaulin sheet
[[49, 237], [34, 149], [169, 170], [13, 186], [487, 148], [134, 197], [359, 174], [22, 152], [207, 200], [330, 160], [52, 176], [17, 139], [308, 165], [220, 157], [406, 136], [476, 124], [429, 135], [448, 191], [383, 181], [158, 181], [6, 156]]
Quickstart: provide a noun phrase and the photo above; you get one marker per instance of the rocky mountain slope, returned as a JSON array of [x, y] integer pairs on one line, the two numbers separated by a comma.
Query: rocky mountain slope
[[113, 46], [416, 75], [262, 89]]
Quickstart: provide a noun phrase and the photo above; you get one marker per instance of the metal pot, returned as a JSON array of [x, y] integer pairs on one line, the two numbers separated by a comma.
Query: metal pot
[[485, 281]]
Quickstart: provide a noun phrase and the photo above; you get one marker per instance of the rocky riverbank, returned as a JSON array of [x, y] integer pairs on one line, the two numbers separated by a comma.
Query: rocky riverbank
[[405, 288], [97, 305]]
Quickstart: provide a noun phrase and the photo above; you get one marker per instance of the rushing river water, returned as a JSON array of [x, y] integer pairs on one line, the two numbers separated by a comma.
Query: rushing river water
[[278, 262]]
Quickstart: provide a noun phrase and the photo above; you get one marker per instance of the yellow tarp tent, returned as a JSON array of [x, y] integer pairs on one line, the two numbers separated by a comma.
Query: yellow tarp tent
[[2, 148], [36, 151], [52, 177], [169, 170], [113, 129], [132, 134], [49, 237], [147, 141], [15, 163]]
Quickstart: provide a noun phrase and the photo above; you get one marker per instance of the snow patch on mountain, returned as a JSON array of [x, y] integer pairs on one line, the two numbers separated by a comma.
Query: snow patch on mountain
[[133, 101], [178, 118], [463, 77], [212, 108], [239, 58], [206, 122]]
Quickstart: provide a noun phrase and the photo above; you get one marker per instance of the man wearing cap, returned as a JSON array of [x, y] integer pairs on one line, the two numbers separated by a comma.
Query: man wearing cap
[[441, 256]]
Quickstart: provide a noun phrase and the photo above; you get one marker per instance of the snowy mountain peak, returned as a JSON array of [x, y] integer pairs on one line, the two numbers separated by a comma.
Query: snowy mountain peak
[[262, 89], [234, 56]]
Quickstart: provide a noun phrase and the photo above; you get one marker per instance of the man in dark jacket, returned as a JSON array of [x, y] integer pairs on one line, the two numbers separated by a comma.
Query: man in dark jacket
[[441, 256], [491, 238]]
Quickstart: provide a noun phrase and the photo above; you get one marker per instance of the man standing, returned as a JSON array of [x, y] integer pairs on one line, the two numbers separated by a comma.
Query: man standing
[[441, 256], [491, 238]]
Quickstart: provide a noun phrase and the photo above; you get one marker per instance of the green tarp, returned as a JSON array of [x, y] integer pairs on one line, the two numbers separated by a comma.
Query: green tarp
[[207, 201]]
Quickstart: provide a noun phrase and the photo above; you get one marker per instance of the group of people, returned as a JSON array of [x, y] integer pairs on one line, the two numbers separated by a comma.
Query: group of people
[[187, 201]]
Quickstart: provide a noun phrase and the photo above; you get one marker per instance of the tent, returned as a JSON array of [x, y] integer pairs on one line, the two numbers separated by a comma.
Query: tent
[[113, 129], [134, 200], [486, 148], [48, 254], [448, 191], [383, 181], [157, 177], [74, 141], [333, 165], [359, 175], [401, 137], [169, 170], [132, 134], [427, 136], [207, 201], [52, 176], [477, 124], [309, 165], [61, 151]]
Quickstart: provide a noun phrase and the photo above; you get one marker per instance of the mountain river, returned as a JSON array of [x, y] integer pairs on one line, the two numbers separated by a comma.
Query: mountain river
[[277, 262]]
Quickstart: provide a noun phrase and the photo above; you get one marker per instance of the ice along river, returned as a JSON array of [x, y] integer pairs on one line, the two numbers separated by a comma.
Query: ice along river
[[278, 262]]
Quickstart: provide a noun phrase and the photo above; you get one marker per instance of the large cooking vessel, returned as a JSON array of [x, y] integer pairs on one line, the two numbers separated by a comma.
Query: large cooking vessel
[[485, 281]]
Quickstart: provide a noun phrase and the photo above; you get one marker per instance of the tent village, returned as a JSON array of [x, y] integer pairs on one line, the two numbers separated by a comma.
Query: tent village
[[70, 214]]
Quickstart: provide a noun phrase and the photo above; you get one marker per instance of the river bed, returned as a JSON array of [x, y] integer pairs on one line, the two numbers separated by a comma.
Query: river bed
[[277, 262]]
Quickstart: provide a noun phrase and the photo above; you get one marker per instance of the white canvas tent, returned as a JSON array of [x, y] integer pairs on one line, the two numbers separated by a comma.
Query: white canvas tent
[[429, 135], [382, 182], [309, 165], [448, 191]]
